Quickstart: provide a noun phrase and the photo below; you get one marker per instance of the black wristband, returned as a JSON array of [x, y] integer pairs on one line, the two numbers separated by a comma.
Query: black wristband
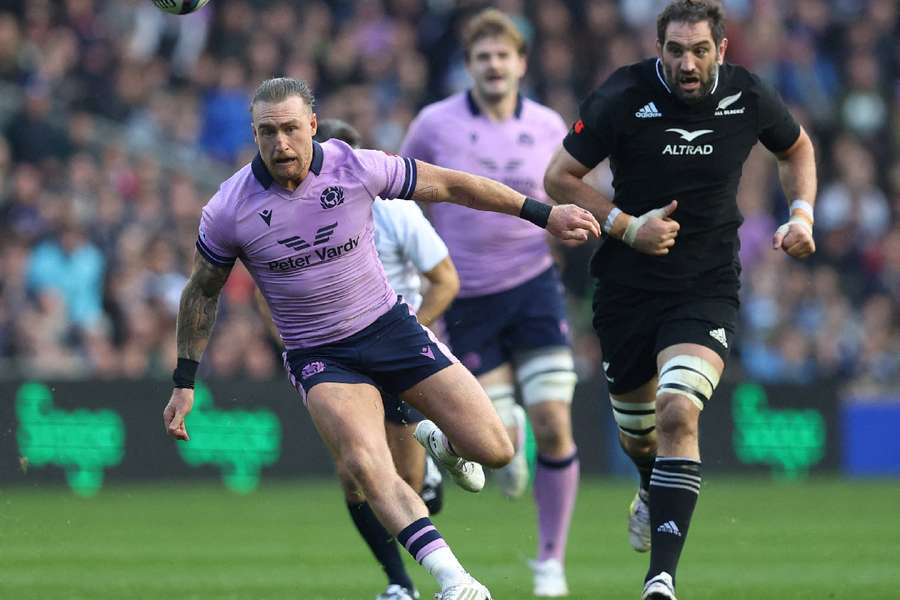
[[536, 212], [184, 373]]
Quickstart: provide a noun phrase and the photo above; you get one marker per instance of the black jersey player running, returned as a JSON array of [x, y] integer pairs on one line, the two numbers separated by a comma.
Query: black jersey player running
[[677, 130]]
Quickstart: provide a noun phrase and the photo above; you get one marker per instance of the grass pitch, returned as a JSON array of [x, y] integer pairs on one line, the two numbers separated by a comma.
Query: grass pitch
[[750, 539]]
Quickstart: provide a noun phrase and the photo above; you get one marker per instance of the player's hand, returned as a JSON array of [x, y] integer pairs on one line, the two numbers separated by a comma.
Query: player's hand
[[653, 232], [179, 406], [795, 237], [570, 222]]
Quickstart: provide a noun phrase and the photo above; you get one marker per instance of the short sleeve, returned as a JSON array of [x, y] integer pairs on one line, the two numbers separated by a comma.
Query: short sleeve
[[416, 143], [388, 175], [420, 242], [778, 130], [216, 238], [592, 136]]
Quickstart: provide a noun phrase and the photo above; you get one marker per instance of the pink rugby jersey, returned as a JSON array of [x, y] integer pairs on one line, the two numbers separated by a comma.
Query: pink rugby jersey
[[492, 252], [310, 251]]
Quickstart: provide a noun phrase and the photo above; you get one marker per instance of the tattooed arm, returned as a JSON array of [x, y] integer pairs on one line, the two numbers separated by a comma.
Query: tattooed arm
[[199, 303], [196, 317], [436, 184]]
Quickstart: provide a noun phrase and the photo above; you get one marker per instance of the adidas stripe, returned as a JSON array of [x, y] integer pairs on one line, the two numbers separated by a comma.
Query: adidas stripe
[[676, 473]]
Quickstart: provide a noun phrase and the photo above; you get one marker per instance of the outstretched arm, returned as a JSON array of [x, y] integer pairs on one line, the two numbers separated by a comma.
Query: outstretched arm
[[436, 184], [797, 171], [196, 317]]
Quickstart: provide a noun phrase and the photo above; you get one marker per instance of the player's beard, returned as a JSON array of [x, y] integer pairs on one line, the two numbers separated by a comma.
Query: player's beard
[[491, 95], [706, 84]]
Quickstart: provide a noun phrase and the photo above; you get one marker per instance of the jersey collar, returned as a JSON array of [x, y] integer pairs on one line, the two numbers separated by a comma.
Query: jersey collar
[[662, 78], [473, 106], [265, 178]]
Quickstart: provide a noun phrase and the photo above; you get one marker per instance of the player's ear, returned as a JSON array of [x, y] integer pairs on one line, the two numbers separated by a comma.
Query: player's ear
[[253, 131], [723, 45], [314, 124], [659, 48]]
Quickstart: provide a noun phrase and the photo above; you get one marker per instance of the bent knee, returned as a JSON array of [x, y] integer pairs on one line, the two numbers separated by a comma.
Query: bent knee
[[677, 416], [552, 435], [366, 469], [499, 452], [644, 445], [503, 454]]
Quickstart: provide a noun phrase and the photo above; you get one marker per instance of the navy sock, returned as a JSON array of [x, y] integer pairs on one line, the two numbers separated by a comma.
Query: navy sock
[[382, 543], [421, 538], [644, 464], [674, 487]]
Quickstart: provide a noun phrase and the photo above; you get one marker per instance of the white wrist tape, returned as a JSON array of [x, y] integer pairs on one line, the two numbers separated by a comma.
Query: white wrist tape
[[610, 219], [786, 227], [637, 222], [803, 205]]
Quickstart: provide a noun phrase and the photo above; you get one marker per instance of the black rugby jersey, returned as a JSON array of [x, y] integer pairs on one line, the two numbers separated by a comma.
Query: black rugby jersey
[[662, 149]]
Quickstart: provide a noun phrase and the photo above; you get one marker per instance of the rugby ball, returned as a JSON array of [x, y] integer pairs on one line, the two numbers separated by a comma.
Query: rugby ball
[[180, 7]]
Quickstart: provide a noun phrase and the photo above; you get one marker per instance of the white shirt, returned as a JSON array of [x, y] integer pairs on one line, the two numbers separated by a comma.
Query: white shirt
[[407, 245]]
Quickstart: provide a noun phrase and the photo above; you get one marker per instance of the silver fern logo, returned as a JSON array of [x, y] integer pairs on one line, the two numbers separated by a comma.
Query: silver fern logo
[[722, 108]]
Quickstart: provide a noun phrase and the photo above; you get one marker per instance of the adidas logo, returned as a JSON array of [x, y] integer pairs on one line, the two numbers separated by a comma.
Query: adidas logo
[[669, 527], [648, 111], [719, 336]]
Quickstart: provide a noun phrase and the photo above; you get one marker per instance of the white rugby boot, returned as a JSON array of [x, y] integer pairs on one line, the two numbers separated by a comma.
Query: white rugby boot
[[639, 524], [549, 579], [513, 478], [659, 588], [397, 592], [467, 474], [469, 590]]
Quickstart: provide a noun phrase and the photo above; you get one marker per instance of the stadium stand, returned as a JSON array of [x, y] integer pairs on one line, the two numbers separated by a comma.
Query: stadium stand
[[117, 122]]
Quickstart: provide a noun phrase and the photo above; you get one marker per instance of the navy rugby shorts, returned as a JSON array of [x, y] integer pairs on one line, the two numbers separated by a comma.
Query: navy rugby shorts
[[486, 331], [393, 354]]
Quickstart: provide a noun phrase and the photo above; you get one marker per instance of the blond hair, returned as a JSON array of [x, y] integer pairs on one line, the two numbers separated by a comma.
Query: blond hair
[[492, 23]]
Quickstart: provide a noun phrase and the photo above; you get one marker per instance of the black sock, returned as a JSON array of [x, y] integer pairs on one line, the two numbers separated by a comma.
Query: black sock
[[674, 487], [382, 544], [644, 464], [432, 493]]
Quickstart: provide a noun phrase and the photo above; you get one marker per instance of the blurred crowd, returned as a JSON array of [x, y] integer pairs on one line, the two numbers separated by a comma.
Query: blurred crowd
[[118, 121]]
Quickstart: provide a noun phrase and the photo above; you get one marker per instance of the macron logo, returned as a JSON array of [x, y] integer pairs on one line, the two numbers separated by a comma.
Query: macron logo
[[648, 111], [669, 527]]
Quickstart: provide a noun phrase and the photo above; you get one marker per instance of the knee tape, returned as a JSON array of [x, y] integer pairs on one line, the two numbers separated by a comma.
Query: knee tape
[[547, 376], [503, 396], [635, 419], [689, 376]]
